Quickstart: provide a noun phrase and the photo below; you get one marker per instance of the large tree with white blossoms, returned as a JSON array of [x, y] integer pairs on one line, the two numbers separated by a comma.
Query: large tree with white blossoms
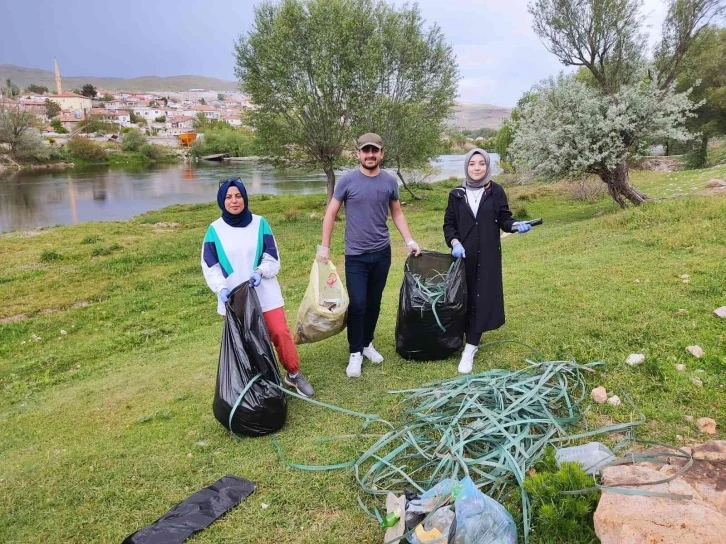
[[592, 122]]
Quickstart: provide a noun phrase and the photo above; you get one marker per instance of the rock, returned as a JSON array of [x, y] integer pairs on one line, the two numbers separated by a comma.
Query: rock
[[614, 401], [681, 311], [635, 359], [706, 425], [599, 395], [633, 518], [697, 381], [636, 281], [680, 368], [696, 351], [63, 333], [720, 312], [689, 419], [715, 183]]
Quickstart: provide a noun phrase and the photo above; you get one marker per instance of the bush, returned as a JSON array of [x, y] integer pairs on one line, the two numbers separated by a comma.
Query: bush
[[30, 146], [151, 151], [85, 149], [49, 255], [563, 518], [587, 189], [222, 138], [133, 140], [58, 127]]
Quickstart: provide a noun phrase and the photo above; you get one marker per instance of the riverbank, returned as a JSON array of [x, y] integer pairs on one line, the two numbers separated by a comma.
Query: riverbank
[[109, 343]]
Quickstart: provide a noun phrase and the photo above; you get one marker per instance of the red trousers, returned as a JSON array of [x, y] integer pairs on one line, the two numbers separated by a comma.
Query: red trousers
[[282, 339]]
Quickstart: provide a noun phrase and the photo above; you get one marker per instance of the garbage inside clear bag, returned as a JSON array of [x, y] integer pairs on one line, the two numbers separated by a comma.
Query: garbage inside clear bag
[[593, 456], [324, 307]]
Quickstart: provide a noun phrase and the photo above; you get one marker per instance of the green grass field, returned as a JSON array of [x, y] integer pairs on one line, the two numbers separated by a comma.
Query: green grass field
[[107, 426]]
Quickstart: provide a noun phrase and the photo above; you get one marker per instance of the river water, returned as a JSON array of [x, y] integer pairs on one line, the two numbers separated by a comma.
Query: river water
[[32, 199]]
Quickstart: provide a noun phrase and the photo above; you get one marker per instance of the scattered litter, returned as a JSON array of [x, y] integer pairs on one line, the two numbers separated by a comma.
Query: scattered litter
[[680, 367], [636, 281], [23, 343], [189, 455], [592, 456], [706, 425], [35, 337], [63, 333], [264, 506], [696, 351], [323, 309], [685, 277], [688, 419], [202, 444], [599, 395], [614, 401], [696, 381], [635, 359], [700, 371], [720, 312], [681, 311], [686, 280]]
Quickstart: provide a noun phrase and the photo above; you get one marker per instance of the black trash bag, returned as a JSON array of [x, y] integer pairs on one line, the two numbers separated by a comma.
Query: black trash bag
[[431, 316], [195, 513], [246, 351]]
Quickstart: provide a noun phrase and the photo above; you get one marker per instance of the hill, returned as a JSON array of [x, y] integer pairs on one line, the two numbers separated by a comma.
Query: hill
[[472, 116], [23, 77]]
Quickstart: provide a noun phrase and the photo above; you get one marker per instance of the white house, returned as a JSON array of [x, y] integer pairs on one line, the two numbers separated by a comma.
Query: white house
[[71, 101], [149, 114]]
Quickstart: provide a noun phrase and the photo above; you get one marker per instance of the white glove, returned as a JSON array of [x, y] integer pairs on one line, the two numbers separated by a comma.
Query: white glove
[[323, 254], [413, 248]]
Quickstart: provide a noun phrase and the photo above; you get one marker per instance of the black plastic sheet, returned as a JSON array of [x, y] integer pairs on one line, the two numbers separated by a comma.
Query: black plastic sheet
[[194, 514], [419, 333], [245, 352]]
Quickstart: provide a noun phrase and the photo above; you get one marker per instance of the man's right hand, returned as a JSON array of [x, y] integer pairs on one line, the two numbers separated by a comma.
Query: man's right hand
[[323, 254]]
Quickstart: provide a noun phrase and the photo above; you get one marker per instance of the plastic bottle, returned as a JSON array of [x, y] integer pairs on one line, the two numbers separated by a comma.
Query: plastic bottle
[[591, 456]]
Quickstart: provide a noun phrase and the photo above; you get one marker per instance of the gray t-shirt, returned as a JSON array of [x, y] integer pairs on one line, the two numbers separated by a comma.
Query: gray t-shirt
[[366, 210]]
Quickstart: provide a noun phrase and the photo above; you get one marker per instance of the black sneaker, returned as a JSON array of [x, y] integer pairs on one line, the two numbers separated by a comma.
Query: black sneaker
[[300, 384]]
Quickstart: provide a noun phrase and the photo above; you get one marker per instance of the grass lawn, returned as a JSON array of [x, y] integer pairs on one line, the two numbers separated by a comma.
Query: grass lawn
[[108, 424]]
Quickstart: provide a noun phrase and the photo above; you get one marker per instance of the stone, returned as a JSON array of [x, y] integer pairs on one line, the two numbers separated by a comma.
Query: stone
[[720, 312], [706, 425], [697, 381], [636, 281], [681, 311], [680, 368], [63, 333], [715, 183], [599, 395], [632, 518], [689, 419], [635, 359], [614, 401], [696, 351]]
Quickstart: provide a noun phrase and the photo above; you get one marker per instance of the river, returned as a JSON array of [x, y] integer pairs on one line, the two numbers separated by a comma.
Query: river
[[32, 199]]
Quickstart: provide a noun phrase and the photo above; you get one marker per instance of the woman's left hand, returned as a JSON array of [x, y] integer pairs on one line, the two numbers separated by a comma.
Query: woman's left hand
[[256, 279], [523, 227]]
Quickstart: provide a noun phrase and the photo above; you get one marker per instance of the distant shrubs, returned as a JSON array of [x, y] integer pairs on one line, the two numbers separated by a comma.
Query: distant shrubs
[[223, 138], [85, 149], [133, 140]]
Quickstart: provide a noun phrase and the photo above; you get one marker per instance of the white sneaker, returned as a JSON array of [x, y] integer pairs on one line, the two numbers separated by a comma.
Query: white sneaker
[[354, 364], [371, 354], [467, 359]]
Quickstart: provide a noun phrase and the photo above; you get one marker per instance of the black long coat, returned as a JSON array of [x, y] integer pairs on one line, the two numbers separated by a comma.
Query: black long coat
[[481, 240]]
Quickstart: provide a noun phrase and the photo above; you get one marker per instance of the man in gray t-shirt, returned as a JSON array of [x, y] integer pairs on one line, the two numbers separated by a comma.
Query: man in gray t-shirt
[[368, 193]]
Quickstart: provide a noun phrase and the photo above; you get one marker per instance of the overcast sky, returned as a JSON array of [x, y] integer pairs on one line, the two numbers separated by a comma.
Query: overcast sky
[[499, 55]]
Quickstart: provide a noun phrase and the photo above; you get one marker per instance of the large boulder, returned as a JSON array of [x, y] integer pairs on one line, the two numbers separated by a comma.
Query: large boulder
[[715, 183], [635, 519]]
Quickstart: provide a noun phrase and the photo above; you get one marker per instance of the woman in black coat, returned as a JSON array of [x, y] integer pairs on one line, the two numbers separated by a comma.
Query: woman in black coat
[[476, 212]]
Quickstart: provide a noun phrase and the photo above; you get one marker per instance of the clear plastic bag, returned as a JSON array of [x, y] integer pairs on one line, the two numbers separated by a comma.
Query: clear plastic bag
[[480, 519], [324, 308], [592, 456]]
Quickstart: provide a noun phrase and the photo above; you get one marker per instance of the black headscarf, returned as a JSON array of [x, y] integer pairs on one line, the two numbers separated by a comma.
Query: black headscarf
[[241, 219]]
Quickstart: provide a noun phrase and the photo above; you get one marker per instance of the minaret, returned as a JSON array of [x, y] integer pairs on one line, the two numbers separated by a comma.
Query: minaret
[[58, 88]]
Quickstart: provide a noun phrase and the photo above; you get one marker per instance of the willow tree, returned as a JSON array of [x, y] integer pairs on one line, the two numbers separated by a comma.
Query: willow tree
[[308, 66], [594, 126]]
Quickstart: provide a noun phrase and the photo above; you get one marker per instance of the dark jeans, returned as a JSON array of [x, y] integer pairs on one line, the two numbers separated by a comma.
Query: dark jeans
[[365, 277]]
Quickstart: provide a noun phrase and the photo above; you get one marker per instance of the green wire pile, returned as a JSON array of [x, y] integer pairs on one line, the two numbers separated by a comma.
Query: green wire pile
[[491, 426], [433, 289]]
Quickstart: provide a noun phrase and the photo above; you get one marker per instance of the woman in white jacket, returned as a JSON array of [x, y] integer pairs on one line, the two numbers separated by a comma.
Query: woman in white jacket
[[240, 247]]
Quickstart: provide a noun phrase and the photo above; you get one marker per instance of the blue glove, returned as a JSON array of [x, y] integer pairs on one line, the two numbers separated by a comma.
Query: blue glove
[[458, 251], [224, 295], [256, 279], [523, 227]]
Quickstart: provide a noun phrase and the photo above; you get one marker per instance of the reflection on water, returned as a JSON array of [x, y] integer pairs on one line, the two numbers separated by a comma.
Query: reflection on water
[[38, 199]]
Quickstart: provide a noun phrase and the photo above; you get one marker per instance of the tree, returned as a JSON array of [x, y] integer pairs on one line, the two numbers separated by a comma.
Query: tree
[[37, 89], [136, 119], [58, 127], [220, 97], [15, 126], [10, 89], [606, 38], [51, 108], [89, 91], [202, 102], [307, 66], [585, 133], [704, 70], [202, 123], [133, 140], [417, 82], [107, 97]]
